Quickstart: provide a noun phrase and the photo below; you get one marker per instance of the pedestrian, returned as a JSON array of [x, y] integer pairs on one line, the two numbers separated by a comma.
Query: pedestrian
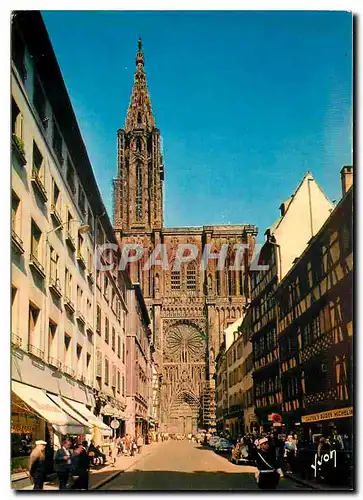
[[62, 463], [139, 443], [79, 468], [113, 452], [268, 475], [290, 453], [37, 465]]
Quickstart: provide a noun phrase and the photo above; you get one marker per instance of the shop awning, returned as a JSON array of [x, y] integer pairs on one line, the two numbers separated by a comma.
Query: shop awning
[[91, 419], [59, 401], [38, 400], [111, 411]]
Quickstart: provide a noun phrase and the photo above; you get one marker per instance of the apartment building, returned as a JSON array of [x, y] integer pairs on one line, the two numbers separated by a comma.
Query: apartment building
[[302, 216], [315, 326], [140, 367], [57, 218]]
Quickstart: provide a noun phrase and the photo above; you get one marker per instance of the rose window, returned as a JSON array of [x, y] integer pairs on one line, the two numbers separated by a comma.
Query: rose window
[[184, 344]]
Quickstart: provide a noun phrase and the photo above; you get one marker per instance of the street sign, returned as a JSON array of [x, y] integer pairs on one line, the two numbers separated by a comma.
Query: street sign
[[115, 424]]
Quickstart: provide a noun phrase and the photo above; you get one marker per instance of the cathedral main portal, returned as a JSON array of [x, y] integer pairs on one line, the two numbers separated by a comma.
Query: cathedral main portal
[[183, 377]]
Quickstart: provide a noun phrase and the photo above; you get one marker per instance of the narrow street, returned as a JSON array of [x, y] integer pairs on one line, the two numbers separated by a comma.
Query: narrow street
[[180, 465]]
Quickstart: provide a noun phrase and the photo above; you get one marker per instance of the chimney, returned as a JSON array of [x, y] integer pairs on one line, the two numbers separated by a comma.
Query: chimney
[[346, 174]]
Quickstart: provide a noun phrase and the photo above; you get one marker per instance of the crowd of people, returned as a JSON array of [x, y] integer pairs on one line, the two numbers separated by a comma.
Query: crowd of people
[[292, 454], [72, 461]]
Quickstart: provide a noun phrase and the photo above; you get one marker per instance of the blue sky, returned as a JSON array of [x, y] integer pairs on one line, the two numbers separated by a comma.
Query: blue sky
[[246, 102]]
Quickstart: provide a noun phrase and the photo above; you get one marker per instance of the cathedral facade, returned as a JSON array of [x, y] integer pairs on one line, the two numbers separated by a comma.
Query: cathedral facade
[[191, 299]]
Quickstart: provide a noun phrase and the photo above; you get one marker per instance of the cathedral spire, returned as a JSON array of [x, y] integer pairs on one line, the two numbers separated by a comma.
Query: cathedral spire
[[139, 115]]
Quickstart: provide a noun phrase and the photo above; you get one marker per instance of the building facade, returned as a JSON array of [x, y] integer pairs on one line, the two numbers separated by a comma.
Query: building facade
[[190, 306], [57, 218], [315, 326], [302, 216], [234, 383], [139, 360]]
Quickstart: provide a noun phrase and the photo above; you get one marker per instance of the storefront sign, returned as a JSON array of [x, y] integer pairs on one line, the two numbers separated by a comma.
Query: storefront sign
[[327, 415]]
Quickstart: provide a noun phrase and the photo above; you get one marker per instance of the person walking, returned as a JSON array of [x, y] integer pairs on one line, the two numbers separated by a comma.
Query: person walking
[[62, 464], [79, 469], [139, 443], [113, 452], [37, 465], [265, 458]]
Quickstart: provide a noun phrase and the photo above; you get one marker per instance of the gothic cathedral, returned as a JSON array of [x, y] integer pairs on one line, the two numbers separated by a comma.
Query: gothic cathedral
[[191, 307]]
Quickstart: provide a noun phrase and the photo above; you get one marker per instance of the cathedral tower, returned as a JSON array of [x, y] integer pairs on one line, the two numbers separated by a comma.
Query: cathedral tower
[[138, 188]]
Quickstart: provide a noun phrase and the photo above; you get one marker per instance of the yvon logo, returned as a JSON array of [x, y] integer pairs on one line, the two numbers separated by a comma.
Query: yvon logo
[[324, 458]]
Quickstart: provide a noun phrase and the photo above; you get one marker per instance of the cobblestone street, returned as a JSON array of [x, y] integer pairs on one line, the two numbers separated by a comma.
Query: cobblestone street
[[180, 465]]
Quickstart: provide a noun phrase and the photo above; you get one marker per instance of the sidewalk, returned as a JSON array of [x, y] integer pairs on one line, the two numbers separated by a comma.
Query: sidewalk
[[315, 485], [99, 477]]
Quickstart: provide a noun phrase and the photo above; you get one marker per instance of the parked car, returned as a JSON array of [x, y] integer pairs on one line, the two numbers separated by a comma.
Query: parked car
[[213, 441], [223, 446]]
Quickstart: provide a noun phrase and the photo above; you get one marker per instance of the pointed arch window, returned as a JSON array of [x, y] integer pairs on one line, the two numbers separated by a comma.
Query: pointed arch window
[[138, 144], [218, 282], [191, 277], [231, 283], [241, 283], [138, 191], [139, 118]]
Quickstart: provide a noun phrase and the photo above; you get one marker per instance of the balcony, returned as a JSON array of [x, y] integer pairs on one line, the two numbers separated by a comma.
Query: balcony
[[54, 286], [37, 266], [55, 214], [54, 362], [80, 317], [70, 241], [81, 260], [17, 147], [68, 304], [35, 351], [17, 242], [15, 340], [37, 182], [68, 370]]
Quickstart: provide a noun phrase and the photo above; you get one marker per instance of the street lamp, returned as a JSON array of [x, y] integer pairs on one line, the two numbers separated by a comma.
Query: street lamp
[[83, 228]]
